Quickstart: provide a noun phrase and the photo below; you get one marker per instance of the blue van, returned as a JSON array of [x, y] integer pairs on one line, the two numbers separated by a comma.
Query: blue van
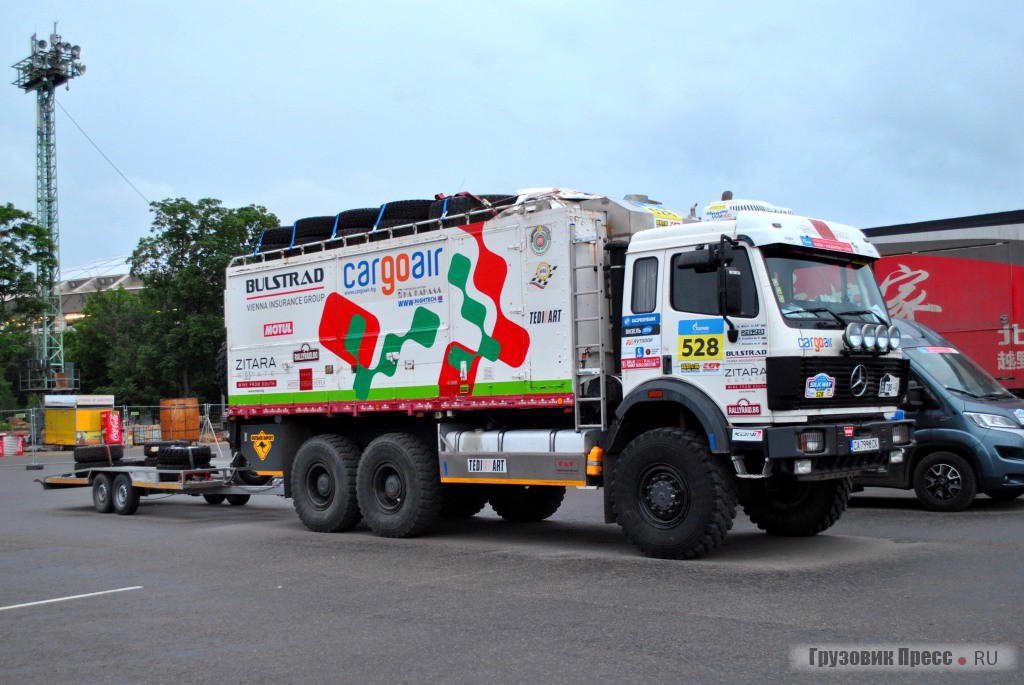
[[969, 432]]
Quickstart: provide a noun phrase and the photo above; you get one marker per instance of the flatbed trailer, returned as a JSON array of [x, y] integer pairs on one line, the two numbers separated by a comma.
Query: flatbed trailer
[[119, 488]]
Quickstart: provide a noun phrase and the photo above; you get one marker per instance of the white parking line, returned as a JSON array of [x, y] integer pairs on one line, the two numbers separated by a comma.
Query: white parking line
[[65, 599]]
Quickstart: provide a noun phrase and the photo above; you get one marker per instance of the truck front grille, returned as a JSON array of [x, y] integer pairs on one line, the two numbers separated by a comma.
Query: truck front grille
[[787, 381]]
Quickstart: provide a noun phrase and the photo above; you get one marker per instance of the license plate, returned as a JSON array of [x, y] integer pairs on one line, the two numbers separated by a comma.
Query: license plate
[[487, 465], [864, 445]]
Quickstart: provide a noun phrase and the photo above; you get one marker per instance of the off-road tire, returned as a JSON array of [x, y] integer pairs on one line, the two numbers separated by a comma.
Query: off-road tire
[[103, 493], [525, 503], [125, 495], [323, 484], [407, 211], [237, 500], [786, 507], [954, 494], [671, 496], [181, 457], [97, 454], [399, 486], [214, 499], [462, 501], [361, 219], [279, 235], [314, 226], [152, 449]]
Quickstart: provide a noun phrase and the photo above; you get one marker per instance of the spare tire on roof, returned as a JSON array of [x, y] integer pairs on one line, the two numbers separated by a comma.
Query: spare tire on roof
[[365, 217], [458, 205], [408, 210], [321, 226], [281, 234]]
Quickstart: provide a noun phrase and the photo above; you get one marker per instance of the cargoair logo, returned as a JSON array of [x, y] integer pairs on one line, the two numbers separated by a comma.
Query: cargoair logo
[[292, 279], [392, 270]]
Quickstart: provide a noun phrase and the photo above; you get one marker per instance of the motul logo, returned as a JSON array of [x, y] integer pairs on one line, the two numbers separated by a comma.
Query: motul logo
[[281, 328]]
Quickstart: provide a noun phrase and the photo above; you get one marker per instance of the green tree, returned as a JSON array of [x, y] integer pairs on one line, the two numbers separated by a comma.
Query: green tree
[[106, 345], [182, 268], [24, 247]]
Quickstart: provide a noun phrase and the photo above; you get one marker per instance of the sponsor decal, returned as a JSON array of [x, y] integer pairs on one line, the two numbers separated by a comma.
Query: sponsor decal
[[938, 350], [306, 354], [641, 363], [848, 431], [649, 329], [284, 300], [701, 339], [256, 384], [743, 408], [889, 386], [641, 320], [644, 324], [262, 442], [567, 465], [825, 244], [713, 368], [753, 334], [540, 239], [279, 328], [747, 435], [817, 343], [255, 363], [542, 275], [1019, 413], [756, 353], [546, 316], [291, 279], [390, 271], [821, 386], [487, 465], [745, 378]]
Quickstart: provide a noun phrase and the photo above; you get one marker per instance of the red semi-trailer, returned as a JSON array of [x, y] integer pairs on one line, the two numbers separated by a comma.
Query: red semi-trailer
[[964, 278]]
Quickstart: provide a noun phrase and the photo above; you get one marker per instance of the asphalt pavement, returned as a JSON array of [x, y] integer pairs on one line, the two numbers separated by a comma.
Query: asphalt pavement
[[245, 594]]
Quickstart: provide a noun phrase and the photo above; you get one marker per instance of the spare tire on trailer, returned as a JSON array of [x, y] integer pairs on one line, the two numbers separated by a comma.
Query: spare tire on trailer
[[180, 457], [97, 454]]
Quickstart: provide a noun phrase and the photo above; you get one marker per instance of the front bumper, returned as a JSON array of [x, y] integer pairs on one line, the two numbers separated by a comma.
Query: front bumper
[[836, 458]]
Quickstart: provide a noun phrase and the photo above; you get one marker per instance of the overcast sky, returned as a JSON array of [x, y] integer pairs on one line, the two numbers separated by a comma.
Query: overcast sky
[[865, 113]]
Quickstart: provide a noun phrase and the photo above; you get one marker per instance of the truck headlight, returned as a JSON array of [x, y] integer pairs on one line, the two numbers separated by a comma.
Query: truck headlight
[[853, 337], [991, 420], [895, 338], [901, 434], [882, 338], [812, 441], [868, 331]]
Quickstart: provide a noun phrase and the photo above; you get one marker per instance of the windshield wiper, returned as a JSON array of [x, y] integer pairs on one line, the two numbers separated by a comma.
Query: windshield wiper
[[963, 392], [819, 310], [858, 312]]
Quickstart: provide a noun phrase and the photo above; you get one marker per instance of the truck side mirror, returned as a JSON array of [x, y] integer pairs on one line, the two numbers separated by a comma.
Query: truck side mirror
[[732, 291], [915, 396]]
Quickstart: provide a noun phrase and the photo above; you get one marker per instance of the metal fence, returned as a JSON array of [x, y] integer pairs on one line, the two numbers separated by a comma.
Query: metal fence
[[201, 424]]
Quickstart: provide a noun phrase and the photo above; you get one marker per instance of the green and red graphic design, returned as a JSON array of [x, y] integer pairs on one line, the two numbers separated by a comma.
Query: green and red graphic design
[[351, 332]]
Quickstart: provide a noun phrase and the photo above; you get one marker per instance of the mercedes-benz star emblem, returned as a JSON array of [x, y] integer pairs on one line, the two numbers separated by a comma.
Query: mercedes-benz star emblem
[[858, 380]]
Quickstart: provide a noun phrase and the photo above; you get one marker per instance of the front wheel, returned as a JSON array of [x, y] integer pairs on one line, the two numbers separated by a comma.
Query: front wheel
[[945, 481], [670, 495], [784, 506]]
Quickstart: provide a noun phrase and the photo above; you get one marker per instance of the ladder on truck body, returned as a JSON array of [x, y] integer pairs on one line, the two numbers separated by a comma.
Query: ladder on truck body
[[589, 326]]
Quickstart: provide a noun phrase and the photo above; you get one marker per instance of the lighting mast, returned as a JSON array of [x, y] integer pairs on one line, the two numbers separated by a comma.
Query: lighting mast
[[48, 67]]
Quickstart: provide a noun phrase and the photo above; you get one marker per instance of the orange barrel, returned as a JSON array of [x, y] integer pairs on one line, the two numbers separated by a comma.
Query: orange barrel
[[179, 419]]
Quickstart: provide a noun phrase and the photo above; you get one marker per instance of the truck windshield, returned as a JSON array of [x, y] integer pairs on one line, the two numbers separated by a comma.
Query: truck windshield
[[822, 290], [956, 372]]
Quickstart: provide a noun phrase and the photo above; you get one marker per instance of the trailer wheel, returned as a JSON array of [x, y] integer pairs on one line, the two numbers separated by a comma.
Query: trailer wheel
[[102, 493], [324, 484], [213, 499], [237, 500], [462, 501], [526, 503], [399, 486], [670, 495], [126, 495], [782, 505], [945, 481]]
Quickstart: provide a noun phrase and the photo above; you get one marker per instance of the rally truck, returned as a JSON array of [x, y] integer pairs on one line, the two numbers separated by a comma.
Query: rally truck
[[417, 361]]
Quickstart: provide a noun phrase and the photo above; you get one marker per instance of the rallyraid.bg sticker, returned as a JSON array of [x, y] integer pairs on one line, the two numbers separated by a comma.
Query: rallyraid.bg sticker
[[821, 386]]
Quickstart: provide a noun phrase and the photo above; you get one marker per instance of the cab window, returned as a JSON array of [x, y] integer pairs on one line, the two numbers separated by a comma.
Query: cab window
[[696, 289], [645, 286]]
